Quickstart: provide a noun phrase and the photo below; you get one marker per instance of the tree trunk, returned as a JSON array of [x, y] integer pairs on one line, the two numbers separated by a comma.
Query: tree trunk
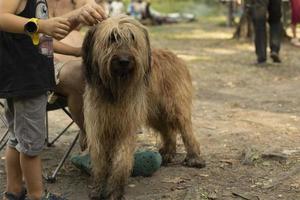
[[245, 26]]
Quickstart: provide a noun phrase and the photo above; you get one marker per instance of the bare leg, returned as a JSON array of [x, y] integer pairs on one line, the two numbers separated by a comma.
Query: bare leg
[[294, 30], [13, 171], [72, 86], [32, 171]]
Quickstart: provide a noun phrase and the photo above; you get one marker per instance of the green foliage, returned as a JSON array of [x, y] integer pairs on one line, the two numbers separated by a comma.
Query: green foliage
[[198, 7]]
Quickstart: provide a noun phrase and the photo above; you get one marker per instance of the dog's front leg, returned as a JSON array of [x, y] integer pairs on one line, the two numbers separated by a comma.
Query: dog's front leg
[[100, 168], [121, 168]]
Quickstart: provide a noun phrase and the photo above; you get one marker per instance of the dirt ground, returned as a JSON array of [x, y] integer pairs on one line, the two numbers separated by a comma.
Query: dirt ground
[[247, 119]]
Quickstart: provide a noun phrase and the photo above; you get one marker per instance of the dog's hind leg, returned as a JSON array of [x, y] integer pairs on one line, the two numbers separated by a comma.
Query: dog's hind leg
[[193, 158], [168, 150], [168, 137]]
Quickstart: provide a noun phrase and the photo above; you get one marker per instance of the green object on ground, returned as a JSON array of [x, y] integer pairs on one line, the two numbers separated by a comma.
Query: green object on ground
[[145, 163], [82, 162]]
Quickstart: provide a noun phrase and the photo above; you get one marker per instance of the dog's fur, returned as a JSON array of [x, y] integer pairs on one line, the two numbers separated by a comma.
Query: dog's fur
[[128, 86]]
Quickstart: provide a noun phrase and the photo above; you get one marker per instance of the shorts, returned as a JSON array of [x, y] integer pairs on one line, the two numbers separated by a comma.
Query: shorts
[[26, 123], [57, 68]]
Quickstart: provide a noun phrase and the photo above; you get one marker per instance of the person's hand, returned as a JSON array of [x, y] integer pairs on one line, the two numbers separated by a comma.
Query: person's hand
[[91, 14], [57, 27]]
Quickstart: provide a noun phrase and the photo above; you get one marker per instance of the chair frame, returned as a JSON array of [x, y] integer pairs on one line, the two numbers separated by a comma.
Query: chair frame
[[60, 103], [4, 138]]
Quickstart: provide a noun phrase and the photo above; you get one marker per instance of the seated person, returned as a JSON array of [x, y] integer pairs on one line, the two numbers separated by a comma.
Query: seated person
[[143, 11], [69, 73]]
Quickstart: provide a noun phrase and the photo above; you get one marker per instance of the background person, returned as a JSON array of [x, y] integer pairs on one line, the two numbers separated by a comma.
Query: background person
[[117, 8], [295, 7], [260, 10]]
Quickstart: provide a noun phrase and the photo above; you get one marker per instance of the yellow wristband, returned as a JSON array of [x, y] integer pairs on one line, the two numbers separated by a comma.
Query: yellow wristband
[[35, 36]]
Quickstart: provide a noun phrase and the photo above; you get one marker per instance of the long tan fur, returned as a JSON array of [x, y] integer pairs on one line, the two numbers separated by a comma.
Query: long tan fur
[[128, 86]]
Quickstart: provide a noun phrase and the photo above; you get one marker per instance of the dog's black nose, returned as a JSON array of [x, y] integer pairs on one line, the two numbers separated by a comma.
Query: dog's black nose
[[122, 65], [124, 62]]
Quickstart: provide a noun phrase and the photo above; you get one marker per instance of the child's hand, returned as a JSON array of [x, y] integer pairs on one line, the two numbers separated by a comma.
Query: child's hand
[[91, 14], [56, 27]]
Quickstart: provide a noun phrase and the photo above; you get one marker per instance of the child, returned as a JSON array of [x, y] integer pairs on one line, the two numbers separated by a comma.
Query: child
[[295, 6], [26, 74]]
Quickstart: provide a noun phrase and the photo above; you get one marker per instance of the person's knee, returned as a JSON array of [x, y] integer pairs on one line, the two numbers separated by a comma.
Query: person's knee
[[31, 149], [71, 79]]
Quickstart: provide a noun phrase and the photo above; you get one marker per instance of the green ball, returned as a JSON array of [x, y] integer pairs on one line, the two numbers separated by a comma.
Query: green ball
[[146, 163], [82, 162]]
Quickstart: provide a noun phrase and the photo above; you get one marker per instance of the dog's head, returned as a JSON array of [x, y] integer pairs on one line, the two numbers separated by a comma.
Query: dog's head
[[117, 55]]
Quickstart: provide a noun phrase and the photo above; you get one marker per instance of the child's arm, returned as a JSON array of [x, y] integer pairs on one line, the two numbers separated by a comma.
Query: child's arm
[[56, 27], [89, 14], [65, 49]]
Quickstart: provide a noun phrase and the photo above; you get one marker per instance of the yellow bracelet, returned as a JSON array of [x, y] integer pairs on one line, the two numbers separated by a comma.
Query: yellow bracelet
[[35, 36]]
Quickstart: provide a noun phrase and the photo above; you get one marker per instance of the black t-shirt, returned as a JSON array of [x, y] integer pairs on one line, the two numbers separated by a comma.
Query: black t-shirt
[[26, 69]]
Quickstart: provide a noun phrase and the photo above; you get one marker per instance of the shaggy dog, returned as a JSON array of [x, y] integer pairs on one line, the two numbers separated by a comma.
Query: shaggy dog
[[129, 85]]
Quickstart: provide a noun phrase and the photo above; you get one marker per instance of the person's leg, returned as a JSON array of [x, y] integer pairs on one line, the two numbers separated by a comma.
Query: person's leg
[[294, 30], [30, 132], [12, 161], [32, 170], [13, 172], [275, 28], [294, 17], [259, 12], [72, 84]]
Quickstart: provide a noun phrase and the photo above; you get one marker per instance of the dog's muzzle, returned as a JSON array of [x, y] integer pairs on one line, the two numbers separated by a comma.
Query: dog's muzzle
[[122, 65]]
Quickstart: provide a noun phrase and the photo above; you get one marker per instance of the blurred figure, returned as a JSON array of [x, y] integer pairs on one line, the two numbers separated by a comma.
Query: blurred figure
[[138, 9], [295, 7], [143, 11], [260, 10], [117, 7]]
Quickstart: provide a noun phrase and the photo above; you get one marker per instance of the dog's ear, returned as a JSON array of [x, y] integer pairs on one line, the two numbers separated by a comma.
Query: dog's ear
[[87, 54]]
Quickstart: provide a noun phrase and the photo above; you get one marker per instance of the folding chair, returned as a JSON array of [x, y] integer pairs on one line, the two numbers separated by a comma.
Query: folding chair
[[4, 137], [60, 103]]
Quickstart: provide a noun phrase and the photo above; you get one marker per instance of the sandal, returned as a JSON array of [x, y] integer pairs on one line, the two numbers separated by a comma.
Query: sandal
[[50, 196], [11, 196]]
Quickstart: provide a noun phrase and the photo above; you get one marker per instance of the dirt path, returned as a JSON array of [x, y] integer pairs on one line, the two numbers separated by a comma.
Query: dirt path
[[237, 106]]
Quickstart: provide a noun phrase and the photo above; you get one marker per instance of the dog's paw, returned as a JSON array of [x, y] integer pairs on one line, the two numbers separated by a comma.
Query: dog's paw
[[196, 162], [93, 195], [167, 157]]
